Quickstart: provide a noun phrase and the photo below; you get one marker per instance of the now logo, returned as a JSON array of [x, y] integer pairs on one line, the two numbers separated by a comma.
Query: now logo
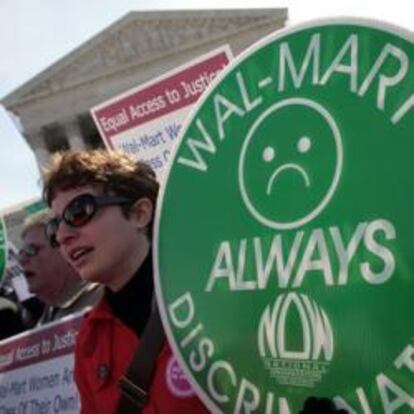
[[315, 330]]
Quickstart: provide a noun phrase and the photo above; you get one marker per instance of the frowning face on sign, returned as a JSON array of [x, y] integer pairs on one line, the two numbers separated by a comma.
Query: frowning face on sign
[[282, 181]]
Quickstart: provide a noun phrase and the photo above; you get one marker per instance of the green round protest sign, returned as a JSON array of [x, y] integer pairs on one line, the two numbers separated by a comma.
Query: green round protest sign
[[3, 248], [284, 237]]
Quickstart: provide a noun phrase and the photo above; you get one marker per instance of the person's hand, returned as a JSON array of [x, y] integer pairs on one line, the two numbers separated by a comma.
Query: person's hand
[[315, 405]]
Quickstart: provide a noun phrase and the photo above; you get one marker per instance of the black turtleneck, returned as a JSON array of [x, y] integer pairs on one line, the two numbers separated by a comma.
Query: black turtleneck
[[132, 304]]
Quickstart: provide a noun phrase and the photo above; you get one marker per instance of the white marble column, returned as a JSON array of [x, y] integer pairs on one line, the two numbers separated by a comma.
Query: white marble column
[[37, 142], [74, 134]]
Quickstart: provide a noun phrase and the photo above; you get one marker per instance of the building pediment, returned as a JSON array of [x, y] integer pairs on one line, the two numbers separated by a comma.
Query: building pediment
[[136, 38]]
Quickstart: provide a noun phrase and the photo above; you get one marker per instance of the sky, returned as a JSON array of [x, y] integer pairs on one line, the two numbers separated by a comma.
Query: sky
[[36, 33]]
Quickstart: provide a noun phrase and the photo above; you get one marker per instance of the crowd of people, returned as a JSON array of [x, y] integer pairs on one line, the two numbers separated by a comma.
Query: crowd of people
[[92, 249]]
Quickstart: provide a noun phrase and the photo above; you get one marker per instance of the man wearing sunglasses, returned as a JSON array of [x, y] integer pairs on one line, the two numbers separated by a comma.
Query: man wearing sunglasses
[[103, 206], [48, 274]]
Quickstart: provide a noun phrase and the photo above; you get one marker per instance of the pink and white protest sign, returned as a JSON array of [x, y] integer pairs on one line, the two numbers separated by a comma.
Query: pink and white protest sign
[[36, 370], [145, 121]]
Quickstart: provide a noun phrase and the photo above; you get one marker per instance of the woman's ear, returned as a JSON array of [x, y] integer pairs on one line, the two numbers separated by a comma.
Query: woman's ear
[[142, 212]]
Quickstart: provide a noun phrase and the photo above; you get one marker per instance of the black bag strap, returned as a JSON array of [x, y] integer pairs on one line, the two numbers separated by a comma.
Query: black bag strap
[[136, 381]]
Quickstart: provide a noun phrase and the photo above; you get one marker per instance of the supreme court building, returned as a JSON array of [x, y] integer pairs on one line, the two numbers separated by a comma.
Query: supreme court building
[[53, 107]]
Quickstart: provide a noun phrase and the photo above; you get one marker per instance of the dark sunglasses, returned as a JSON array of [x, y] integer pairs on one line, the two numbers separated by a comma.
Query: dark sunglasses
[[80, 211]]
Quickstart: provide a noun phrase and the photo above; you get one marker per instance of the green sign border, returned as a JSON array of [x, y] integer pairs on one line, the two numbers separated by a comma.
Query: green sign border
[[3, 249]]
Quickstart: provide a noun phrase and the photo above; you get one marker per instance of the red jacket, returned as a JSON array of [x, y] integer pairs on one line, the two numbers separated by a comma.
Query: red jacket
[[104, 350]]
